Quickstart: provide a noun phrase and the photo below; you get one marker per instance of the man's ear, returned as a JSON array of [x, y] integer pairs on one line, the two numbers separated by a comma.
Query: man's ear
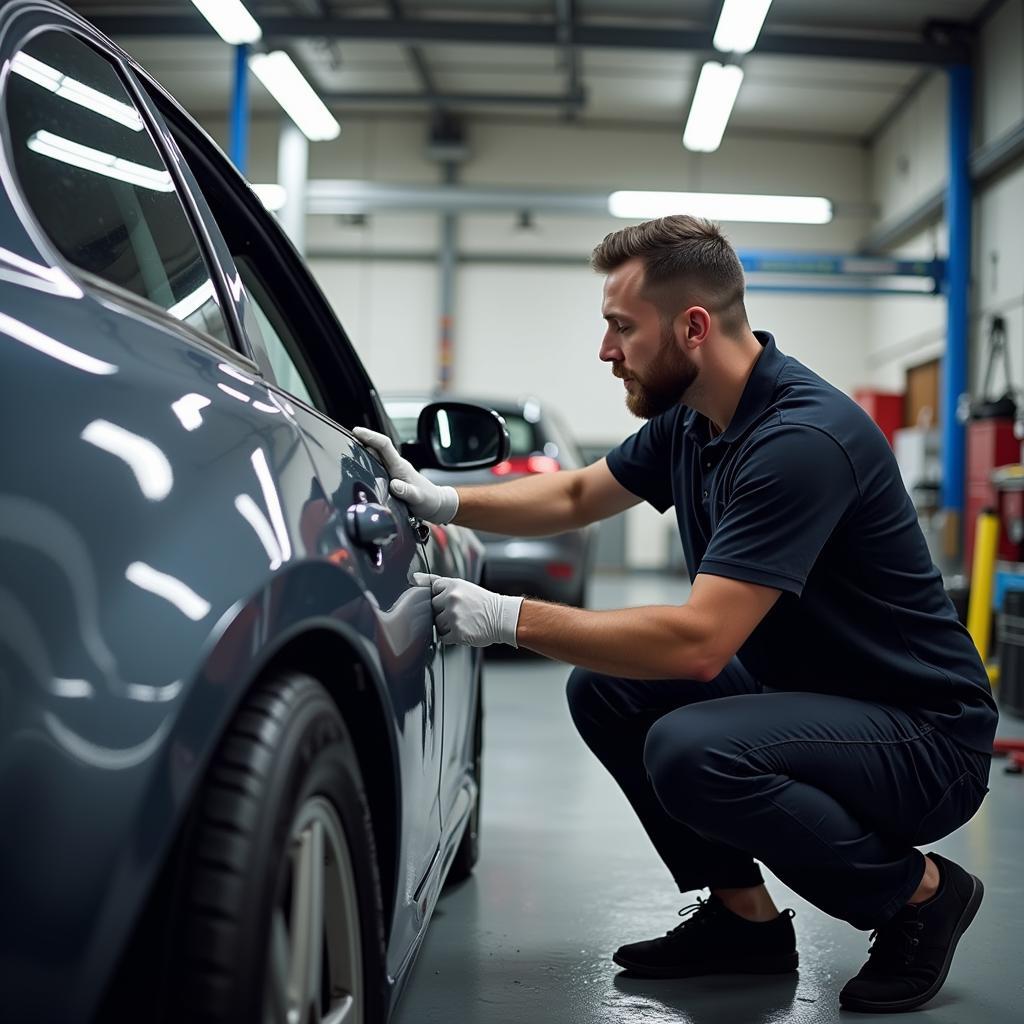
[[692, 326]]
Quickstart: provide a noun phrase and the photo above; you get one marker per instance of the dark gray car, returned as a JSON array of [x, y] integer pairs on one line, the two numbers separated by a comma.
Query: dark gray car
[[235, 765], [554, 568]]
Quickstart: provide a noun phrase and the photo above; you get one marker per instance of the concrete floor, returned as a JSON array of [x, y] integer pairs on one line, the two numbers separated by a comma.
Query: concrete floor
[[566, 875]]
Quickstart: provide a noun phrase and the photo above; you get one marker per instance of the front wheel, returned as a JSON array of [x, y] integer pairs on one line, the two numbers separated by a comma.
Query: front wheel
[[281, 916]]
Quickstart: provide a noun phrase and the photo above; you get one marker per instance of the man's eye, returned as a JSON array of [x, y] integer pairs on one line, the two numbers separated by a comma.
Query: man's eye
[[622, 328]]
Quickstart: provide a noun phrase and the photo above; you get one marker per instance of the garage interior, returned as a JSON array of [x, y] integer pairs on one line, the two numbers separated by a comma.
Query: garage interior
[[448, 215]]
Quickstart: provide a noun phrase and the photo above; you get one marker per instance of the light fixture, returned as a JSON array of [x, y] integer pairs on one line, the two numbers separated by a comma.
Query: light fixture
[[71, 89], [230, 20], [722, 206], [712, 104], [285, 82], [271, 195], [739, 25], [54, 146]]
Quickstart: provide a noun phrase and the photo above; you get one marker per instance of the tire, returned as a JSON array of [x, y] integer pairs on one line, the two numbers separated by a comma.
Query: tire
[[468, 852], [279, 880]]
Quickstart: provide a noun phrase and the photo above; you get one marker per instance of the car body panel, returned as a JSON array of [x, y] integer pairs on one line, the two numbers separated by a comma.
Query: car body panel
[[169, 518]]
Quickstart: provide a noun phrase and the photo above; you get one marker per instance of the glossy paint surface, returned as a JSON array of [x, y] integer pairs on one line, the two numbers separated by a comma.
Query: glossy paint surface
[[169, 518]]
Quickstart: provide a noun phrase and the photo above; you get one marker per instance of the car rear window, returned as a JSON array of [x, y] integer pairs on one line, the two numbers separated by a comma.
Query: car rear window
[[521, 434]]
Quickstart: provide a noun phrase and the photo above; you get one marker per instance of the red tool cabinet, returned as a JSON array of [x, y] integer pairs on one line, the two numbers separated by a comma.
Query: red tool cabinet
[[990, 443]]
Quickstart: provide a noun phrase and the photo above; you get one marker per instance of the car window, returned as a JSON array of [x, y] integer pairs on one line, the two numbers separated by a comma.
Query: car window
[[404, 414], [97, 185], [307, 348], [521, 434], [279, 343]]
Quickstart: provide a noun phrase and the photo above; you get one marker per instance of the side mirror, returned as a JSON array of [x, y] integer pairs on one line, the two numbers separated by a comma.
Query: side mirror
[[457, 436]]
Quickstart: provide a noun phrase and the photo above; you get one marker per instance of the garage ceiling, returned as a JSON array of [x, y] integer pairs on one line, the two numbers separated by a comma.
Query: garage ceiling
[[634, 62]]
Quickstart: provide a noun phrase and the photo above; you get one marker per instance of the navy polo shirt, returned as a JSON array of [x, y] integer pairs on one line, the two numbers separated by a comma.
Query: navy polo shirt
[[802, 493]]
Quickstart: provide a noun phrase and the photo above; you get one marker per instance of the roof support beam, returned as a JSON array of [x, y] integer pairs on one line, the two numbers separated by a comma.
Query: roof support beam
[[950, 48], [419, 63], [566, 13], [452, 99]]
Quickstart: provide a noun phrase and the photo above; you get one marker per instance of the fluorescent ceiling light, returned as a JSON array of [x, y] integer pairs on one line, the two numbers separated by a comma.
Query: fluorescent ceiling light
[[284, 81], [712, 104], [722, 206], [272, 196], [739, 25], [230, 20], [47, 144], [70, 89]]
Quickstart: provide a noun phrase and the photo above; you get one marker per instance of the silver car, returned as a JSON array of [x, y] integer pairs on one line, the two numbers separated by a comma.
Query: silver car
[[552, 568]]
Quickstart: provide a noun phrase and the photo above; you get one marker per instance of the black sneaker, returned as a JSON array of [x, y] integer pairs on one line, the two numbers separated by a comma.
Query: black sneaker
[[911, 953], [714, 940]]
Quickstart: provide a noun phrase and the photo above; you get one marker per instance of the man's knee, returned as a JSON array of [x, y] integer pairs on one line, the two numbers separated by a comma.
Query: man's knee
[[688, 773], [583, 693]]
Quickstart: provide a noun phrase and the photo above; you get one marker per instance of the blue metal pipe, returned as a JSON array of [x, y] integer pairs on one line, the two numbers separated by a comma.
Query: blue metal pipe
[[239, 144], [958, 270], [757, 261], [814, 289]]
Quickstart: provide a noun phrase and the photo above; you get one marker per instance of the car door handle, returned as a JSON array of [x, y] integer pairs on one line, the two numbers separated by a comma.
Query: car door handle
[[371, 525]]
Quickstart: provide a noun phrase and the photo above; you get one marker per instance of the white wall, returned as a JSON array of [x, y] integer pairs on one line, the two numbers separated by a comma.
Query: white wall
[[536, 328]]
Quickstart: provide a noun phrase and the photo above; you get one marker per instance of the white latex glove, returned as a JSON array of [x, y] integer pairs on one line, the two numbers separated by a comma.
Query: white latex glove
[[426, 500], [467, 614]]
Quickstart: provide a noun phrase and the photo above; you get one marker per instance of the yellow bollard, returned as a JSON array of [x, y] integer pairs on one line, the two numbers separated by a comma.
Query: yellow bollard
[[983, 574]]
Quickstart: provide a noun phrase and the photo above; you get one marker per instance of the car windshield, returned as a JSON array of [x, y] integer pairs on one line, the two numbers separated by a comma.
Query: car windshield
[[522, 434]]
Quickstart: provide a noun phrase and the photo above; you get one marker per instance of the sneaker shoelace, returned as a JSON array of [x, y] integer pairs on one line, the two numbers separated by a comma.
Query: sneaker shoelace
[[700, 912], [896, 942]]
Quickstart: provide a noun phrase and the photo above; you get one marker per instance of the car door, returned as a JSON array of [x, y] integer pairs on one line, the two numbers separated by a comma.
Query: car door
[[308, 361]]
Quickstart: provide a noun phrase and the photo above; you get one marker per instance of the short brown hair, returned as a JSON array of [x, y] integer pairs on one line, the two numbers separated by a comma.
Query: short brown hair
[[685, 259]]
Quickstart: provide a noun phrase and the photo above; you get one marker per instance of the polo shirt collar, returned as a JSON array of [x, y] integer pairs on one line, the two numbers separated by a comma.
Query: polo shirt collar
[[757, 394]]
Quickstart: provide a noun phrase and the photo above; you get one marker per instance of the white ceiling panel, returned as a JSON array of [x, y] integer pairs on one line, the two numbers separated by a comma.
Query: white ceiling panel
[[779, 93]]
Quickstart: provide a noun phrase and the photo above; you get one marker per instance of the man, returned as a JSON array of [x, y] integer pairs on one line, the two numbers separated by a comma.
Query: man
[[815, 703]]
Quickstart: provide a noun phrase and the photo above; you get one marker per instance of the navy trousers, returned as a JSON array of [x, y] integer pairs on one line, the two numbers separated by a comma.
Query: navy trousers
[[832, 794]]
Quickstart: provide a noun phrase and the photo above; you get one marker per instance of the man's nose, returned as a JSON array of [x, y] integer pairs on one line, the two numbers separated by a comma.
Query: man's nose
[[609, 351]]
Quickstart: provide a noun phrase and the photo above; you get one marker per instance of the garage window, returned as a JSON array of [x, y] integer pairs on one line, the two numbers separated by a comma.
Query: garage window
[[96, 183]]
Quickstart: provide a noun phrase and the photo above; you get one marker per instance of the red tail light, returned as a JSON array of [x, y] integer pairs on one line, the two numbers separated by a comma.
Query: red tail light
[[560, 570], [527, 464]]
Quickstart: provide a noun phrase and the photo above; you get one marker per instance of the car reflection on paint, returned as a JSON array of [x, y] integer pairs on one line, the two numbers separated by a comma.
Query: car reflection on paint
[[236, 767]]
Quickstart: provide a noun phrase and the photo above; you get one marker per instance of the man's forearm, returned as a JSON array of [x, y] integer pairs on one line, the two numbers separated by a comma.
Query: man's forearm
[[654, 642], [533, 506]]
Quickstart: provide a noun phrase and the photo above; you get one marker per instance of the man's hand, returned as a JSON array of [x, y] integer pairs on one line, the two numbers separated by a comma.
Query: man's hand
[[467, 614], [426, 500]]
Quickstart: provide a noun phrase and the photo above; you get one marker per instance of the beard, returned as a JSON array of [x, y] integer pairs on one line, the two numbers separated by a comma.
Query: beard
[[665, 382]]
